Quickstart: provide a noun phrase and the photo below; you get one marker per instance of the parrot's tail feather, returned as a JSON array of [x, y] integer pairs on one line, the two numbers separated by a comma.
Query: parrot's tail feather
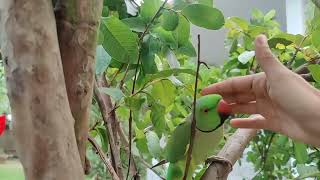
[[176, 171]]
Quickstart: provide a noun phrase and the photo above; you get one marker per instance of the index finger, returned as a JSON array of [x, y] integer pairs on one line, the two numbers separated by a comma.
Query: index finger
[[233, 85]]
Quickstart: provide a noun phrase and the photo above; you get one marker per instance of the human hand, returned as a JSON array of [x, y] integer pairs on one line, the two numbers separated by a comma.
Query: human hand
[[284, 101]]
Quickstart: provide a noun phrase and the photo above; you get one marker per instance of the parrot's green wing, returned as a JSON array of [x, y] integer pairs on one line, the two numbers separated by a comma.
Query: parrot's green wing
[[178, 142]]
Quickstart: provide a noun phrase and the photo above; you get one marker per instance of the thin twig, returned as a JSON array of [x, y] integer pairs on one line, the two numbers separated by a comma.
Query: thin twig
[[130, 143], [193, 124], [152, 20], [103, 158], [94, 126], [124, 77], [125, 142], [205, 64], [147, 165], [265, 153], [135, 79], [116, 74], [104, 103], [296, 52]]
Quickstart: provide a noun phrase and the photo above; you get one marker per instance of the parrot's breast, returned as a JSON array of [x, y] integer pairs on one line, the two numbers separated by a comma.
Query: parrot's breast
[[205, 144]]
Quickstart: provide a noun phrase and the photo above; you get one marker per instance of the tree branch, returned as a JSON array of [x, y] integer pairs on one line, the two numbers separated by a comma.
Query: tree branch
[[193, 124], [110, 123], [125, 142], [103, 158], [231, 151]]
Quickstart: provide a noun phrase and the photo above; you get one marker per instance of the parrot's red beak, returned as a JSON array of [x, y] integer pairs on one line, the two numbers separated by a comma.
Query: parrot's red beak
[[224, 108]]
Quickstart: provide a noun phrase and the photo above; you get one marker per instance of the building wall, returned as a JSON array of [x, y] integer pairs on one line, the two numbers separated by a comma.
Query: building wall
[[212, 42]]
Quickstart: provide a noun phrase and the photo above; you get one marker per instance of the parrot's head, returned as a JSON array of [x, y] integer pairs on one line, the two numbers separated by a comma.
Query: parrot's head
[[211, 112]]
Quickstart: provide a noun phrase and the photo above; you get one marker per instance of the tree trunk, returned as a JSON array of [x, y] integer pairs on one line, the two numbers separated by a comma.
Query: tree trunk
[[77, 23], [44, 124]]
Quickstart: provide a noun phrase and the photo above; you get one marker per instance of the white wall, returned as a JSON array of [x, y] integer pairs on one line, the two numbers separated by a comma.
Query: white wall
[[212, 46], [296, 10]]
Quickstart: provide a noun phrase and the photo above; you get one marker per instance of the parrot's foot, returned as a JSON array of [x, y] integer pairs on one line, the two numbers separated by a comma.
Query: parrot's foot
[[220, 160]]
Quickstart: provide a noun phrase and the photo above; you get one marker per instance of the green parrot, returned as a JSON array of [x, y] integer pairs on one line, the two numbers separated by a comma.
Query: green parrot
[[211, 112]]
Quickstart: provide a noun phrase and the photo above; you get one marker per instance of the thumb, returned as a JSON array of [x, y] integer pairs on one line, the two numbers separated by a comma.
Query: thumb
[[267, 61]]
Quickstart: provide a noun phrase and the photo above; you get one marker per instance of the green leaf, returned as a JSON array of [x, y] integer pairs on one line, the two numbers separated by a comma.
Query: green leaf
[[257, 14], [307, 171], [148, 64], [105, 11], [316, 39], [204, 16], [180, 4], [164, 91], [119, 41], [166, 73], [135, 23], [206, 2], [165, 36], [154, 45], [139, 133], [182, 32], [103, 60], [239, 22], [246, 56], [256, 30], [278, 40], [188, 50], [103, 137], [142, 146], [315, 71], [170, 20], [115, 93], [153, 144], [270, 15], [149, 9], [300, 151], [157, 117], [134, 103], [234, 46]]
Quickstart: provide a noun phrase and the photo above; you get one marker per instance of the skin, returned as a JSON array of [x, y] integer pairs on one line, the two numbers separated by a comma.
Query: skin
[[282, 101]]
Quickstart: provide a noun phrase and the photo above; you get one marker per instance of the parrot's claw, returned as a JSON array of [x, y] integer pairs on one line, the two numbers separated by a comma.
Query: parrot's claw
[[220, 160]]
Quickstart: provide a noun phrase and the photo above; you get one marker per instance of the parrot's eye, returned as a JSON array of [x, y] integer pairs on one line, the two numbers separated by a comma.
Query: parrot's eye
[[206, 110]]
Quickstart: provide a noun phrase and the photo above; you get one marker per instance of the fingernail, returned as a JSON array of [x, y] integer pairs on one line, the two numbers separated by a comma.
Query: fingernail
[[261, 40]]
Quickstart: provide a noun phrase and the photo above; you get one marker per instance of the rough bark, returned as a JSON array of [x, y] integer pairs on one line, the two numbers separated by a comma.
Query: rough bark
[[43, 127], [231, 151], [77, 23]]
